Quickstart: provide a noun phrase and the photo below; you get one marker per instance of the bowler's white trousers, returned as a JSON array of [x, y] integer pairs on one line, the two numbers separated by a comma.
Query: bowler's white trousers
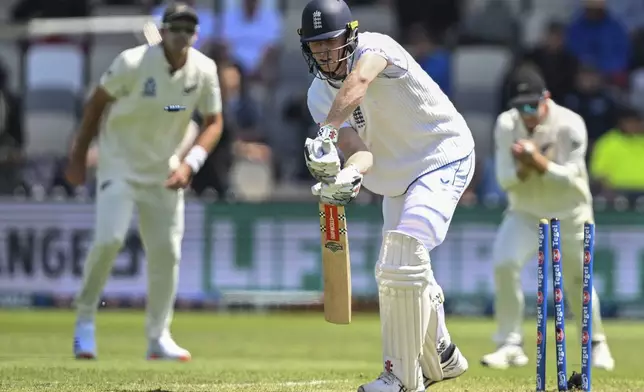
[[161, 226], [425, 212], [516, 243]]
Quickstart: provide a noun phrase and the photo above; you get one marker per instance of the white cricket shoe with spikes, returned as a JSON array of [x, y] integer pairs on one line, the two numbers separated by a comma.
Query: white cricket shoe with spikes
[[165, 348], [504, 357]]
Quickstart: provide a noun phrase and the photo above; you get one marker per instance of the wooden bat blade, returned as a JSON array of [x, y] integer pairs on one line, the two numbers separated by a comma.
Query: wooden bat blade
[[336, 264]]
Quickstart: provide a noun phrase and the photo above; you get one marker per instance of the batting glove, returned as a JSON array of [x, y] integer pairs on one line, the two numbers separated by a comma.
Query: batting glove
[[322, 159], [343, 190]]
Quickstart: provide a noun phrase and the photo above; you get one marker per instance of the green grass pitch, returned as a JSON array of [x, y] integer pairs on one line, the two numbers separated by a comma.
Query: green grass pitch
[[252, 352]]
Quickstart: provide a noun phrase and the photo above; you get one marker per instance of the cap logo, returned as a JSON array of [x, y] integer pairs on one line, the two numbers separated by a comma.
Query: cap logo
[[522, 87], [317, 19]]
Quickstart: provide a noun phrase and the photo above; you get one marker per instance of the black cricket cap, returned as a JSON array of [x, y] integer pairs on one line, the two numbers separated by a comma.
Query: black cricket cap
[[527, 87], [179, 11]]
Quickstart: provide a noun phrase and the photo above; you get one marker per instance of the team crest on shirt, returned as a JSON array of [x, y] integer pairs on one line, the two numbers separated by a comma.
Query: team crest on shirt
[[150, 88]]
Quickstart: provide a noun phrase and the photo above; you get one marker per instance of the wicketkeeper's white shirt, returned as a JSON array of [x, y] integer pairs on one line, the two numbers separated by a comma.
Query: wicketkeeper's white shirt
[[563, 191], [149, 118]]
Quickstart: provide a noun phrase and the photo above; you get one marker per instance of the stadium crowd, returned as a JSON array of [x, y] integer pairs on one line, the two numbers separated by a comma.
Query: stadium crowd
[[592, 61]]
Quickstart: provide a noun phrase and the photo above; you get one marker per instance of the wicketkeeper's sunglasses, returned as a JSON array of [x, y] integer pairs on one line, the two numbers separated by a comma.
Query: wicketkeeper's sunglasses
[[528, 108]]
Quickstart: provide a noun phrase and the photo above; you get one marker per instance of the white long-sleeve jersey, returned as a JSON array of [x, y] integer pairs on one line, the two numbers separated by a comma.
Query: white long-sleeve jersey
[[407, 122], [149, 118], [562, 191]]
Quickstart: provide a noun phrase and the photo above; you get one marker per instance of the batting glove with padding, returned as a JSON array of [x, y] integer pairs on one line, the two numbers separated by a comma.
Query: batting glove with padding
[[343, 190], [322, 159]]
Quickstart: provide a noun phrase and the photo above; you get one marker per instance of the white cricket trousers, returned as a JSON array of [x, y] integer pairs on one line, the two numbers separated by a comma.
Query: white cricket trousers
[[517, 243], [161, 226], [425, 212]]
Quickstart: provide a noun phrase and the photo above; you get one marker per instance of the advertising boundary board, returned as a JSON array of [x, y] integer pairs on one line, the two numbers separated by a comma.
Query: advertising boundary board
[[268, 255], [269, 248], [43, 247]]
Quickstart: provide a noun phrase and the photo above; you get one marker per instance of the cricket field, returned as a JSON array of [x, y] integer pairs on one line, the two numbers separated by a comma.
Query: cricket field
[[266, 353]]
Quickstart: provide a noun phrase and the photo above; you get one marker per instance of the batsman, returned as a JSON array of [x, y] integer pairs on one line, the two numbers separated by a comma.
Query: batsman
[[403, 139], [540, 150]]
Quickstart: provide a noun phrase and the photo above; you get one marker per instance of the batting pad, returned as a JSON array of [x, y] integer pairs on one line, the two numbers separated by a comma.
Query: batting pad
[[430, 361], [404, 279]]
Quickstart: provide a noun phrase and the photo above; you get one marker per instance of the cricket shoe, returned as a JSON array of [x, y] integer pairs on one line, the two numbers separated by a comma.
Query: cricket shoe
[[453, 363], [388, 382], [602, 357], [506, 356], [165, 348], [84, 340]]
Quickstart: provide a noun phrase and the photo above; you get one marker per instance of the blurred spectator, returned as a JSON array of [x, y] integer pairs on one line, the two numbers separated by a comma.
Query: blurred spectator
[[25, 10], [215, 173], [490, 22], [431, 56], [597, 38], [438, 17], [207, 23], [557, 65], [11, 137], [591, 100], [243, 114], [250, 37], [487, 188], [120, 2], [252, 171], [243, 137], [58, 184], [617, 162], [629, 12], [296, 113], [637, 50]]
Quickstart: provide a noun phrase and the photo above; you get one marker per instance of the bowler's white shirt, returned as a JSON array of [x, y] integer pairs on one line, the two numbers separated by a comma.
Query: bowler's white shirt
[[563, 191], [151, 112], [407, 122]]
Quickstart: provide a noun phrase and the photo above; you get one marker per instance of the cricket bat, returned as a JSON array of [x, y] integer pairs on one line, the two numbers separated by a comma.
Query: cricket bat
[[336, 264], [151, 34]]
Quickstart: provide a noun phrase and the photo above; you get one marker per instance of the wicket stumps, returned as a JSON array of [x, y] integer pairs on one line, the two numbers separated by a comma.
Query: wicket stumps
[[587, 306], [550, 250], [542, 302]]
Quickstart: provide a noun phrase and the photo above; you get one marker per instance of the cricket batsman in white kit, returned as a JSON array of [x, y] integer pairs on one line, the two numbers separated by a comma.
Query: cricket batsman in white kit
[[540, 150], [403, 139], [152, 92]]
